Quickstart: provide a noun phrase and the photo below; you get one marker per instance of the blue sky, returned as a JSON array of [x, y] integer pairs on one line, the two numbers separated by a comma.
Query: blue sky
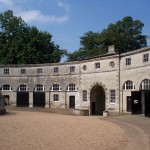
[[68, 20]]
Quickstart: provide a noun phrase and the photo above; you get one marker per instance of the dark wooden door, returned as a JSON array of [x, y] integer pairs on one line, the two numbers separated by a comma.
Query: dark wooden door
[[136, 102], [147, 103], [38, 99], [23, 99], [72, 102], [129, 103], [93, 108]]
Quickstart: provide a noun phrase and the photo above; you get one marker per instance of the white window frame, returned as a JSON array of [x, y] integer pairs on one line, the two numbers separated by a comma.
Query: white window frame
[[55, 87], [146, 57], [128, 61], [72, 69], [128, 85], [84, 95], [6, 71], [97, 65], [56, 70], [55, 97], [6, 87], [39, 70], [23, 71], [145, 85], [112, 96], [39, 88], [23, 87], [71, 87]]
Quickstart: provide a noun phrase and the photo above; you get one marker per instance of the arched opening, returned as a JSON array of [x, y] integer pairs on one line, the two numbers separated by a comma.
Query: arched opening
[[97, 100]]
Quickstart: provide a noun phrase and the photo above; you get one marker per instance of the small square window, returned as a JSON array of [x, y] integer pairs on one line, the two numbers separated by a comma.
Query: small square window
[[128, 61], [56, 69], [145, 57], [56, 97], [72, 69], [39, 70], [97, 65], [23, 71], [6, 71]]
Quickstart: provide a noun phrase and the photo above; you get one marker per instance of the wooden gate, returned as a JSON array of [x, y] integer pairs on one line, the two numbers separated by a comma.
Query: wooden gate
[[38, 99], [136, 102], [22, 99]]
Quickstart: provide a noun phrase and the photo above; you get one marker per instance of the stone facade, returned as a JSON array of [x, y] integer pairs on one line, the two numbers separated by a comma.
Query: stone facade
[[77, 80]]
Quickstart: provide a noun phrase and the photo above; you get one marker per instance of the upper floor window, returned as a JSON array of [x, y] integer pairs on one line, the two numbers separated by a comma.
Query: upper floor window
[[56, 70], [145, 57], [112, 96], [85, 95], [55, 87], [6, 71], [128, 85], [39, 70], [23, 71], [72, 69], [97, 65], [39, 88], [23, 87], [6, 87], [71, 87], [145, 84], [128, 61]]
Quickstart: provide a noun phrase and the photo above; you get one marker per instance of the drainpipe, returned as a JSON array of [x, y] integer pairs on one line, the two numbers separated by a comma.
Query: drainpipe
[[119, 82]]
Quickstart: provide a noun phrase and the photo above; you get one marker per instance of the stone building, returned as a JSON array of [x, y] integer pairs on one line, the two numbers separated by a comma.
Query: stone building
[[102, 83]]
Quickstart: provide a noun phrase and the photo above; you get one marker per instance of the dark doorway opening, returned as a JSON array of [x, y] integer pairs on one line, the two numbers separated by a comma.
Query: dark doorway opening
[[97, 100], [147, 103], [129, 103], [22, 99], [72, 102], [38, 99], [6, 98], [136, 102]]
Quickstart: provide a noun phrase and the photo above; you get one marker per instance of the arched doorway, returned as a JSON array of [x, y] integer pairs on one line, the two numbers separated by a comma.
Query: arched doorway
[[97, 100]]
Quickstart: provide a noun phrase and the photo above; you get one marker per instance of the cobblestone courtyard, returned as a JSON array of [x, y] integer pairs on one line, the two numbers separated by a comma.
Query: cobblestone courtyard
[[24, 130]]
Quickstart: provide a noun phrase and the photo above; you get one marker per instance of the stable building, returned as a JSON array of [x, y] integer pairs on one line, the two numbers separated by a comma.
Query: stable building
[[117, 83]]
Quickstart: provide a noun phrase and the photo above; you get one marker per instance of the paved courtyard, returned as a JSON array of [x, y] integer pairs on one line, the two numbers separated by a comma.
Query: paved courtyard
[[26, 130]]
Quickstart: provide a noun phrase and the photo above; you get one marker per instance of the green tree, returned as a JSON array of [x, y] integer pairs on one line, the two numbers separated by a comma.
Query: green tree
[[125, 34], [20, 43]]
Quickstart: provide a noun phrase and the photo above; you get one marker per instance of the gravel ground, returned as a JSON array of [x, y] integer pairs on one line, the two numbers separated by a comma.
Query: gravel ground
[[23, 130]]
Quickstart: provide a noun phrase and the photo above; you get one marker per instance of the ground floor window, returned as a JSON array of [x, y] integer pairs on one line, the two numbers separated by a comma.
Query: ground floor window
[[85, 95], [56, 97], [112, 96]]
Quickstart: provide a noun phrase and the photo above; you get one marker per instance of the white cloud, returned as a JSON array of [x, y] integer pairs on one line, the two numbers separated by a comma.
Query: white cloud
[[36, 15], [63, 5], [7, 3]]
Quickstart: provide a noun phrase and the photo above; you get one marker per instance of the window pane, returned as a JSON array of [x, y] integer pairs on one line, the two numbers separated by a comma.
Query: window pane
[[6, 71], [112, 96], [56, 97], [23, 71], [84, 95]]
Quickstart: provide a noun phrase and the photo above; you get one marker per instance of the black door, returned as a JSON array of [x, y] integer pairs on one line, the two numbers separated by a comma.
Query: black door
[[136, 102], [129, 103], [93, 108], [38, 99], [23, 99], [147, 103], [72, 102]]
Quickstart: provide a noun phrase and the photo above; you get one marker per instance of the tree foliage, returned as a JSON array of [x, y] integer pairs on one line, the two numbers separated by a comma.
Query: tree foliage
[[125, 34], [20, 43]]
